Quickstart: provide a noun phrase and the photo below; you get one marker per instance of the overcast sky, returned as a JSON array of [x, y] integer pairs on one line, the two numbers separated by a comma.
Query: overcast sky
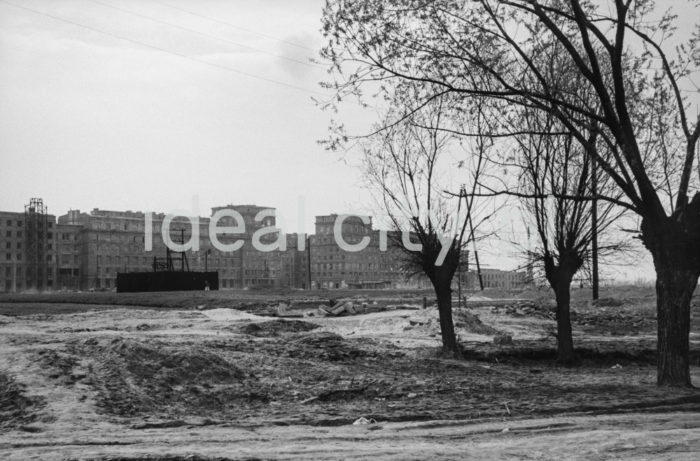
[[144, 104]]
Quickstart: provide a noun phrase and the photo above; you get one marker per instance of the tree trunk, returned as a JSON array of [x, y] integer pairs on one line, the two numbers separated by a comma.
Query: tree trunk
[[559, 277], [674, 290], [675, 245], [565, 340], [443, 291]]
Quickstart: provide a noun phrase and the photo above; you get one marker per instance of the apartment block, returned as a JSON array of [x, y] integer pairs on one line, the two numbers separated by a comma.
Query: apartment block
[[27, 241], [377, 265], [86, 250]]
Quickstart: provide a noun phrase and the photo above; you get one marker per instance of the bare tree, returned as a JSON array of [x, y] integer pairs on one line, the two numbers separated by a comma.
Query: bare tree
[[489, 49], [407, 161], [556, 177]]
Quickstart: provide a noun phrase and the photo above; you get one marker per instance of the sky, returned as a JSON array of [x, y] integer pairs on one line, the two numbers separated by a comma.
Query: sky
[[143, 105], [146, 105]]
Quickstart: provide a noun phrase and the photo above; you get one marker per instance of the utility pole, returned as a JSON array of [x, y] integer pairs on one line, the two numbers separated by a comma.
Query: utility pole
[[463, 193], [476, 255], [594, 229], [308, 259], [459, 284]]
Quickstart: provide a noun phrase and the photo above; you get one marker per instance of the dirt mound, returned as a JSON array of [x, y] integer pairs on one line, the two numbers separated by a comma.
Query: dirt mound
[[277, 327], [320, 339], [15, 407], [138, 377], [324, 345], [470, 322], [541, 310]]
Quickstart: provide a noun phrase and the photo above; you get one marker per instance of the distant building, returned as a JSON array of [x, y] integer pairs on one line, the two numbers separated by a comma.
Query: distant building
[[85, 251], [107, 242], [371, 267], [495, 278], [28, 245]]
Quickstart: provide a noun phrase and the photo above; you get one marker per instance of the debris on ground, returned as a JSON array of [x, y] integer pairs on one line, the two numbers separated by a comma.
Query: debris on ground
[[362, 421], [526, 308], [283, 310], [471, 323], [224, 315], [342, 307], [276, 327], [152, 369]]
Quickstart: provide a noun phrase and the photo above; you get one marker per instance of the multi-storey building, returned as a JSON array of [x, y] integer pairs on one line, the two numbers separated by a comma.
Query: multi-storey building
[[371, 267], [495, 278], [85, 251], [28, 245], [104, 243]]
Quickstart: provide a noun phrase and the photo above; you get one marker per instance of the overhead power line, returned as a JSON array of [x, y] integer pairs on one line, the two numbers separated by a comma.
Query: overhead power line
[[164, 50], [233, 26], [203, 34]]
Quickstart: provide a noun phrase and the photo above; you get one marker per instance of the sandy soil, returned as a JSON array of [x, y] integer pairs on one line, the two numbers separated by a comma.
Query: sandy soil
[[101, 382], [665, 436]]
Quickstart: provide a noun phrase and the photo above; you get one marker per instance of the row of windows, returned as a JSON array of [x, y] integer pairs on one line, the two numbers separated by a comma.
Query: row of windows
[[8, 234], [372, 274], [8, 257], [20, 223], [8, 246], [11, 271]]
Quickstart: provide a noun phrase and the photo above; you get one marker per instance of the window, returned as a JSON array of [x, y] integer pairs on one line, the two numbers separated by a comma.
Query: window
[[19, 256], [19, 223], [9, 234], [8, 245], [8, 256], [9, 222], [19, 233]]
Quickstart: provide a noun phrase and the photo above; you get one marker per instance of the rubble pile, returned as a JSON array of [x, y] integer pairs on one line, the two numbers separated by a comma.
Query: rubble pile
[[276, 327], [526, 309]]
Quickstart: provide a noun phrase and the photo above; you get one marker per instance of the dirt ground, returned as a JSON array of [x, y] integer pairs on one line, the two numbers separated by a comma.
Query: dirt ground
[[218, 376]]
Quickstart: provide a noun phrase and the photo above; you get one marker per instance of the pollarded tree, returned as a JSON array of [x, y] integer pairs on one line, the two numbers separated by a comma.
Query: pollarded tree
[[556, 176], [488, 49], [409, 162]]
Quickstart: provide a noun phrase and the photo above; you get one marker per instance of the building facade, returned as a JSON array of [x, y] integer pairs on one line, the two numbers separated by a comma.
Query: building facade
[[85, 251], [28, 241], [378, 265]]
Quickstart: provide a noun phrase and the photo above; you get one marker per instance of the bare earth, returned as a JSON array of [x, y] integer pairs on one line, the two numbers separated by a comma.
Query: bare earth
[[96, 381]]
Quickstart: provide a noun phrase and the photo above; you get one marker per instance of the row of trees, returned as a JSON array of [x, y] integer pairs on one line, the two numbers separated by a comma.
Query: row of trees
[[578, 103]]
